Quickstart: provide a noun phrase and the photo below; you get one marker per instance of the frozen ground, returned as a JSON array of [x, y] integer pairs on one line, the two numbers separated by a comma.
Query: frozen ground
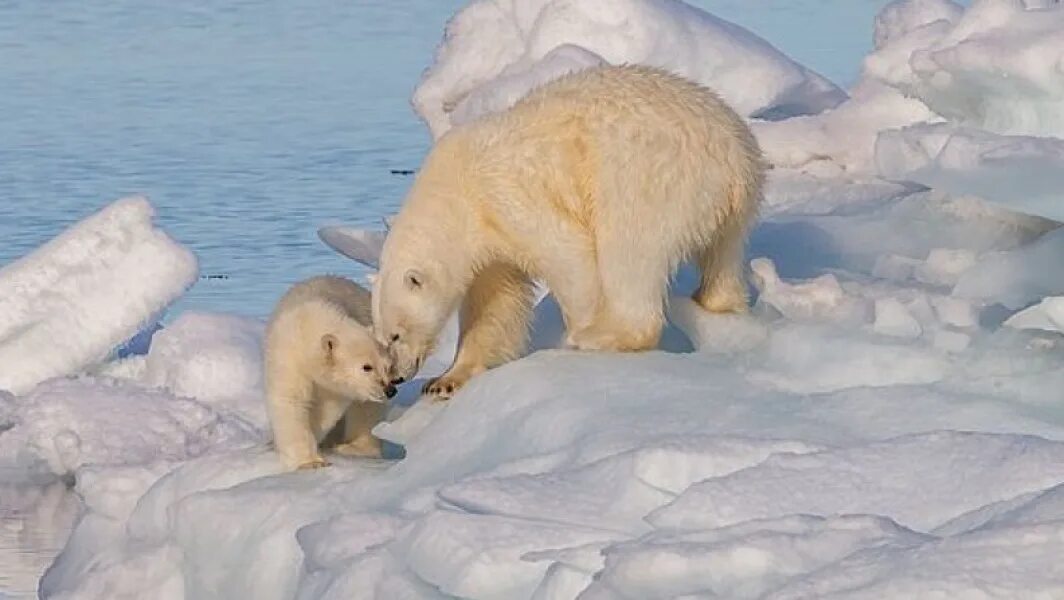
[[886, 423]]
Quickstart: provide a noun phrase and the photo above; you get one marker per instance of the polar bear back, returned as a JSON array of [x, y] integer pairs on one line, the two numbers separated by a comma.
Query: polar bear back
[[345, 295]]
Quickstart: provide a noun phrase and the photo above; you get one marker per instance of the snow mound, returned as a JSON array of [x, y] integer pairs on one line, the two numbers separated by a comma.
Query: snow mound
[[996, 67], [216, 359], [495, 51], [899, 18], [967, 100], [65, 424], [840, 142], [69, 304]]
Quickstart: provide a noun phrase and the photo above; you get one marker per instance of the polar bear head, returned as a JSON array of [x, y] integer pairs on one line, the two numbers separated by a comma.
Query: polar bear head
[[352, 364], [410, 307]]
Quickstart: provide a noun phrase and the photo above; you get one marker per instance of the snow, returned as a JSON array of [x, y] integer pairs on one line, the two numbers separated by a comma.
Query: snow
[[961, 100], [1016, 277], [921, 482], [65, 424], [214, 358], [91, 288], [1021, 172], [495, 51], [1047, 315], [884, 422]]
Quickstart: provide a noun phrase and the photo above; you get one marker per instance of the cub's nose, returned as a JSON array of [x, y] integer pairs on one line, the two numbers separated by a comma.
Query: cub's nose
[[398, 380], [390, 391]]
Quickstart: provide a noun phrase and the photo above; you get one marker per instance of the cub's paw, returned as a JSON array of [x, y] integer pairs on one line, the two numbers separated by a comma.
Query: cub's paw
[[314, 463], [361, 448]]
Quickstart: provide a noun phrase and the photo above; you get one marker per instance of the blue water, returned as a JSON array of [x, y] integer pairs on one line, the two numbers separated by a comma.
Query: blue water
[[249, 124]]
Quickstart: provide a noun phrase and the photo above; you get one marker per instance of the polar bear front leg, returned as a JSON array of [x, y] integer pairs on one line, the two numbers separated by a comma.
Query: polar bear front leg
[[291, 404], [327, 410], [359, 421], [493, 324]]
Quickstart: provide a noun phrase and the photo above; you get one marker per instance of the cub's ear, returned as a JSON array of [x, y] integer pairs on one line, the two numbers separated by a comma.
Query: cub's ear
[[329, 344], [414, 279]]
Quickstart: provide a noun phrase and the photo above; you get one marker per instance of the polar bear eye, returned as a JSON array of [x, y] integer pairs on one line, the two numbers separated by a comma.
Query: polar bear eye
[[395, 337], [367, 368]]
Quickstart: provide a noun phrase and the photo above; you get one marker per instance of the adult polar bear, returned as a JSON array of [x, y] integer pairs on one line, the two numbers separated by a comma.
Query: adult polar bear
[[600, 183]]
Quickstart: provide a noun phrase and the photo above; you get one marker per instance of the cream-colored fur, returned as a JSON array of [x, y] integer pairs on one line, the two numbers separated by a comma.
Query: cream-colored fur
[[323, 364], [600, 183]]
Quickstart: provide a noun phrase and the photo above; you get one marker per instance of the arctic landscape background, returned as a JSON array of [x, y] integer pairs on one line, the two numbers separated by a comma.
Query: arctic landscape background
[[886, 423], [252, 125]]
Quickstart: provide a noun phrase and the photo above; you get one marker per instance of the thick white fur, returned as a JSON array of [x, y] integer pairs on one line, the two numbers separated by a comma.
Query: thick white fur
[[318, 343], [600, 183]]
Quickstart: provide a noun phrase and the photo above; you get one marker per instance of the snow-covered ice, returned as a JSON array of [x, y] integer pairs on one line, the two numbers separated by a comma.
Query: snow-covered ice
[[1047, 315], [886, 422], [1022, 172], [69, 304], [495, 51], [63, 425]]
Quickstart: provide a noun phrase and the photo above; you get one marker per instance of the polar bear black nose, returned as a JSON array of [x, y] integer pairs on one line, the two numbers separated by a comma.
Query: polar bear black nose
[[398, 380], [390, 391]]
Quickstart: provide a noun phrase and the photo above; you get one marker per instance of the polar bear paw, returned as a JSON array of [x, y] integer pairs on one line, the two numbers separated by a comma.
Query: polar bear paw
[[362, 448], [314, 463], [602, 339]]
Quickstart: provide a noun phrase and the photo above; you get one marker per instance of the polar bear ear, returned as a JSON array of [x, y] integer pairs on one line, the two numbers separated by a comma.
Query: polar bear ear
[[328, 345], [414, 279]]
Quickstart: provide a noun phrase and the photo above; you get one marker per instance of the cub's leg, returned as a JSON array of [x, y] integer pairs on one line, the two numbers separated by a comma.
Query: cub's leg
[[291, 401], [329, 407], [358, 421], [493, 326]]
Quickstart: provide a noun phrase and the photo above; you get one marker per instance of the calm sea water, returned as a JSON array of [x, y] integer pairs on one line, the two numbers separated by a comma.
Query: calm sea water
[[249, 124]]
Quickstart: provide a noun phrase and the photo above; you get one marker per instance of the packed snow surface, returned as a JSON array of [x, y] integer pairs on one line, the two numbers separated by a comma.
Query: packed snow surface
[[865, 432], [886, 422]]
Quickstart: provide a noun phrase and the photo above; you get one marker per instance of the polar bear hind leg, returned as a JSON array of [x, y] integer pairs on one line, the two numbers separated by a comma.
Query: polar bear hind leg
[[634, 271], [722, 288]]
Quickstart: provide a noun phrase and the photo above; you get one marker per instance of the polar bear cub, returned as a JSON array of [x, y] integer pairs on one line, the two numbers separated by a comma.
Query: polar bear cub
[[323, 364]]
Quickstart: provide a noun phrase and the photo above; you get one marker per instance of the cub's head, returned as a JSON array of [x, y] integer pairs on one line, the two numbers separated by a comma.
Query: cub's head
[[354, 365], [410, 307]]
